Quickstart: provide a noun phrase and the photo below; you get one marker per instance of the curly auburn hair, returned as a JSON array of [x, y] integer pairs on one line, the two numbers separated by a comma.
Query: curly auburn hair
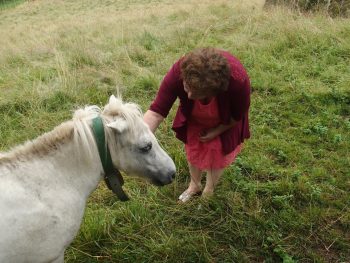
[[206, 71]]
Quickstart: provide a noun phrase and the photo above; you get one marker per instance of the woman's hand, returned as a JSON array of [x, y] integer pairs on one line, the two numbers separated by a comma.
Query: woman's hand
[[208, 135], [152, 119]]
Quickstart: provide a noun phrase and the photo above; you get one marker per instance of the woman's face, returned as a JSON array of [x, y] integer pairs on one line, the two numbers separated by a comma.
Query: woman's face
[[191, 95]]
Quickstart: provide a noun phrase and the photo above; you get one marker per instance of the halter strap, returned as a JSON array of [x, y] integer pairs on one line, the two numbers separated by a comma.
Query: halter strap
[[112, 177]]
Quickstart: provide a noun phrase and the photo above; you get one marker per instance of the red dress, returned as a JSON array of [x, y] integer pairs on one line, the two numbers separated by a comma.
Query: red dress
[[208, 155]]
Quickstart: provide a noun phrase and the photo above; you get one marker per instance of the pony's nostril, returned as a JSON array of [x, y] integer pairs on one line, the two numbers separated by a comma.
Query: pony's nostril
[[173, 175]]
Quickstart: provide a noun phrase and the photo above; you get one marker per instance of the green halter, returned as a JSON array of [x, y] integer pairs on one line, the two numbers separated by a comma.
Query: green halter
[[113, 178]]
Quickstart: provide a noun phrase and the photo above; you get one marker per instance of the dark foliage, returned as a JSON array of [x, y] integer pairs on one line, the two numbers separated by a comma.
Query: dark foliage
[[332, 7]]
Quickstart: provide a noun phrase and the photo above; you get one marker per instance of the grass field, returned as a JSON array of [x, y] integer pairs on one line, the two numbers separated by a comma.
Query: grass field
[[287, 197]]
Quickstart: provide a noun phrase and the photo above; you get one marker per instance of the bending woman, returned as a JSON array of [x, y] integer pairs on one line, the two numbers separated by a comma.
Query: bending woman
[[212, 117]]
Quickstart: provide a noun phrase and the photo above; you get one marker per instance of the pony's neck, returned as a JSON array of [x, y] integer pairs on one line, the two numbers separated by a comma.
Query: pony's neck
[[66, 157], [78, 158], [75, 169]]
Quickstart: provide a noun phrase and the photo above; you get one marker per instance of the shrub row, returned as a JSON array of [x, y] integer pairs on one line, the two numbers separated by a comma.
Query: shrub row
[[332, 7]]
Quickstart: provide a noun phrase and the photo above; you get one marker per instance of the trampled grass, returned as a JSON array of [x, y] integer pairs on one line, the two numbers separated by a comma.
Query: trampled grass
[[286, 199]]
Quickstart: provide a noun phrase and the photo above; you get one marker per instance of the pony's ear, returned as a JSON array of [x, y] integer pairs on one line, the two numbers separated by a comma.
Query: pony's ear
[[119, 125], [112, 99]]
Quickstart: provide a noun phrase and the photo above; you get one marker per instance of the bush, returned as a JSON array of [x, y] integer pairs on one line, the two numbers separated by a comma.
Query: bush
[[332, 7], [9, 3]]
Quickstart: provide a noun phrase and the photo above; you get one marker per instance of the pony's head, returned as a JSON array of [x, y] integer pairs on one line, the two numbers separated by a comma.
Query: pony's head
[[134, 149]]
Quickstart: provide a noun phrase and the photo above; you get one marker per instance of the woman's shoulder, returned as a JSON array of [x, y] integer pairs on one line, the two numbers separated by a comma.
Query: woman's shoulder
[[174, 73], [238, 72], [172, 81]]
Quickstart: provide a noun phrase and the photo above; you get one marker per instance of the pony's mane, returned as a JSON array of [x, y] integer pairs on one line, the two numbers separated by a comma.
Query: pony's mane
[[128, 111], [77, 129]]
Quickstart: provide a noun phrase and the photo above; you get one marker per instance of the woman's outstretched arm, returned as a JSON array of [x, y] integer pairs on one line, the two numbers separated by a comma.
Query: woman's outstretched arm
[[152, 119]]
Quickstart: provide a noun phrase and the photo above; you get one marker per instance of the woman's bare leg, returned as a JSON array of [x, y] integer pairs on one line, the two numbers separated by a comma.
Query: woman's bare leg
[[213, 177], [196, 175], [194, 186]]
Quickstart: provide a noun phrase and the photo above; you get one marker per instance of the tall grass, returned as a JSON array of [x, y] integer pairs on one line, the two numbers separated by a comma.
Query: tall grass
[[286, 199]]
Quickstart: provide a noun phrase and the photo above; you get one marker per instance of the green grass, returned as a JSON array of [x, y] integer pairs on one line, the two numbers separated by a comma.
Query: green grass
[[4, 4], [286, 198]]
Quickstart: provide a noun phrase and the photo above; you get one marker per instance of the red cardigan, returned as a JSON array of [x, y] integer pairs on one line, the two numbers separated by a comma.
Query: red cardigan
[[231, 103]]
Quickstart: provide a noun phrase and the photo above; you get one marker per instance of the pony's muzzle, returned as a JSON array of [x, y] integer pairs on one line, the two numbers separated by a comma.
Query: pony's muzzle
[[163, 181]]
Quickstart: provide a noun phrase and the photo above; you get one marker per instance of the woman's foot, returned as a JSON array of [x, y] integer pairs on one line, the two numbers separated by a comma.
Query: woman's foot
[[207, 193], [188, 194]]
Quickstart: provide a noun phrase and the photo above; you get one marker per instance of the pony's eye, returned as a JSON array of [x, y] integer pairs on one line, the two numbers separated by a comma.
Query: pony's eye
[[146, 148]]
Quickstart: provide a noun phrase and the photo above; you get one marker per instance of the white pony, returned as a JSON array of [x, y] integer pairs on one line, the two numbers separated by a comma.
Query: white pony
[[44, 184]]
